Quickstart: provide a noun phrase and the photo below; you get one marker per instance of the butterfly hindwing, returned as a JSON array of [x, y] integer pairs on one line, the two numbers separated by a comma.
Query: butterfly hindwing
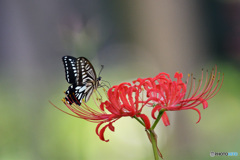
[[89, 90], [75, 94], [87, 76], [86, 72]]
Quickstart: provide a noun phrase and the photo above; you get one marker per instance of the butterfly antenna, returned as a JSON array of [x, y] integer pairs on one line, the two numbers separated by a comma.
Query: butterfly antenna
[[102, 66]]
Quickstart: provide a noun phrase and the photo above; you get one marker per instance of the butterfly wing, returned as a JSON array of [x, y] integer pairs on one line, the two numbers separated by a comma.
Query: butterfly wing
[[75, 94], [82, 77], [86, 76], [70, 68]]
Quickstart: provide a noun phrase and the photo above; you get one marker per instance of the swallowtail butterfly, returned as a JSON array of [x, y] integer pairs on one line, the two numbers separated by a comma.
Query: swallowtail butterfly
[[82, 77]]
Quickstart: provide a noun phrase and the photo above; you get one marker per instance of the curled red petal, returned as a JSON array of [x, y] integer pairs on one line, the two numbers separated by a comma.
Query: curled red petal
[[204, 103], [198, 114], [155, 109], [179, 76], [145, 119], [102, 105], [165, 119], [111, 127], [97, 128], [101, 134]]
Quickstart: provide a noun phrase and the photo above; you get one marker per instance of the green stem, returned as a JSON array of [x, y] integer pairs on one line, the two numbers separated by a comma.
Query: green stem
[[151, 134], [154, 144], [158, 118], [139, 120]]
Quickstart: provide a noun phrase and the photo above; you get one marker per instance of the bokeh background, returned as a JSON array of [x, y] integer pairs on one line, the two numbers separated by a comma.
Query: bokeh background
[[131, 39]]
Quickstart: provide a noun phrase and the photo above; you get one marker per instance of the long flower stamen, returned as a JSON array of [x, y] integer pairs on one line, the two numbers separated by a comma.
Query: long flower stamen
[[207, 91]]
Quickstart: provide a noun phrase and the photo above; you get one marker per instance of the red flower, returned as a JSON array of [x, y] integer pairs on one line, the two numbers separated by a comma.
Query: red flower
[[163, 93], [121, 103], [123, 100]]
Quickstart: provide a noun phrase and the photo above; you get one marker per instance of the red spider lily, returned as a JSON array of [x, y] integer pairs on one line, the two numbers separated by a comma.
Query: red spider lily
[[122, 103], [163, 93], [123, 100]]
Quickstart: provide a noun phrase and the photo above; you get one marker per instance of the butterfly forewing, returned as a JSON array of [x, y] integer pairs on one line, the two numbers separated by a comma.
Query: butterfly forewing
[[70, 68]]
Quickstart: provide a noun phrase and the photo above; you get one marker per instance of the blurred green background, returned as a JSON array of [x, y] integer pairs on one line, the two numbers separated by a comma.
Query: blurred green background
[[131, 39]]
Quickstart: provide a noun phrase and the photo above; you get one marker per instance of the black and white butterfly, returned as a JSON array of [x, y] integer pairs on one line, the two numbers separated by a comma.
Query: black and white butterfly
[[82, 77]]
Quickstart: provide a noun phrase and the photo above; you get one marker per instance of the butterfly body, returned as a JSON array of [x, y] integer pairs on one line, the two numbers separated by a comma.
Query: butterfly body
[[81, 75]]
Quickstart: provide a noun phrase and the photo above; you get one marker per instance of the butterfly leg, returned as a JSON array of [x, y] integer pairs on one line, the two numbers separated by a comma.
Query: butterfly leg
[[104, 84], [98, 95]]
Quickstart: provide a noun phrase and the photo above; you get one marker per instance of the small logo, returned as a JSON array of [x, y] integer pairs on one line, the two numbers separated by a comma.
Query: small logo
[[232, 153], [212, 154]]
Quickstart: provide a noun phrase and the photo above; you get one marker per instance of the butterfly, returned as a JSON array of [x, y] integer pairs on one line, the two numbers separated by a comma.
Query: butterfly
[[81, 75]]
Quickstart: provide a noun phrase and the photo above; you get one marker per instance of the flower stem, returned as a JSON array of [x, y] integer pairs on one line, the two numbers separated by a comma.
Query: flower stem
[[152, 136], [158, 118], [139, 120], [154, 144]]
